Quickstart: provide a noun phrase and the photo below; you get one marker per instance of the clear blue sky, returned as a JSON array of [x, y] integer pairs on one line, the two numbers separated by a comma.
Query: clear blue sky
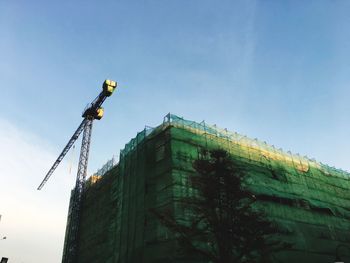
[[275, 70]]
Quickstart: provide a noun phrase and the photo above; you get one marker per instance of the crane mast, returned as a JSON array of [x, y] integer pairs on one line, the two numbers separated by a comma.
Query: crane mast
[[91, 112], [72, 232]]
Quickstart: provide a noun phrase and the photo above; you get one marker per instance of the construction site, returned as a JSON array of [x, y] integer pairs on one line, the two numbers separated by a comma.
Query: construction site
[[308, 200]]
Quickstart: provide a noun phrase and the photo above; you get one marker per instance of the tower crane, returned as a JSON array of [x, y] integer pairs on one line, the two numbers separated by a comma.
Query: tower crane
[[93, 111]]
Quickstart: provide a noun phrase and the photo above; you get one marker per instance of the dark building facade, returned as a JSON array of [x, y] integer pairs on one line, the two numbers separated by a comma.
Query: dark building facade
[[309, 201]]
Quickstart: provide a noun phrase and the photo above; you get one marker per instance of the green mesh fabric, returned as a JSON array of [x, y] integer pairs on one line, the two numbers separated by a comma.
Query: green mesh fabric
[[308, 200]]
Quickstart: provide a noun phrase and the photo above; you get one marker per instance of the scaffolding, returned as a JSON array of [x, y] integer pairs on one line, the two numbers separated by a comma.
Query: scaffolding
[[308, 200]]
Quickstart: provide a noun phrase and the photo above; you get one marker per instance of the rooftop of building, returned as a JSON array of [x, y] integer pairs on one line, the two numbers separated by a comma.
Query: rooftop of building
[[302, 163]]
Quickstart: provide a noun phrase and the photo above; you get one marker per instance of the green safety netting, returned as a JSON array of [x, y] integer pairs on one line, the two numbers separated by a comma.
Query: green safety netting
[[308, 200]]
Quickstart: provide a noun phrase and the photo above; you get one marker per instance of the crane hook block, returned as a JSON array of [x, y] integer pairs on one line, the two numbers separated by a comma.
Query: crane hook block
[[109, 86]]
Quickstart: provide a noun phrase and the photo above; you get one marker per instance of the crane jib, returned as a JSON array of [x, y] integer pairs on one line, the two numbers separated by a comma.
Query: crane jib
[[64, 152]]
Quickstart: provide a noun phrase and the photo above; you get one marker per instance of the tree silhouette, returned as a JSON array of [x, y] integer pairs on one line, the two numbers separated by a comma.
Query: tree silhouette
[[220, 224]]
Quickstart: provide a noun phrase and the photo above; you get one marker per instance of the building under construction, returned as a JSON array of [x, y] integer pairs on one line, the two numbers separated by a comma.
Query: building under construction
[[309, 201]]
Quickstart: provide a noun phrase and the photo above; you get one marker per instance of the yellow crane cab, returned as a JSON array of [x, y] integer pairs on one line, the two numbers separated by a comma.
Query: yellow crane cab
[[99, 113]]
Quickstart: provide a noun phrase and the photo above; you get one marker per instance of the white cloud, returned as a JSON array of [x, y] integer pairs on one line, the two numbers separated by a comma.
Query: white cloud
[[33, 221]]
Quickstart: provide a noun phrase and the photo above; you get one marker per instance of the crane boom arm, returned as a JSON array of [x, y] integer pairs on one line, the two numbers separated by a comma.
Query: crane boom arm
[[64, 152], [97, 102], [93, 107]]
